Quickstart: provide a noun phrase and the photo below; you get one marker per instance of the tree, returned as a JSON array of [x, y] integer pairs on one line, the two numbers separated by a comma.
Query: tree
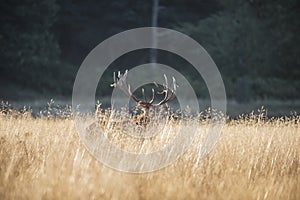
[[28, 47], [245, 44]]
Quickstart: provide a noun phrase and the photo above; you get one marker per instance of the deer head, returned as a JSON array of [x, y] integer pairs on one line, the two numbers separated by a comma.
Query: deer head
[[144, 105]]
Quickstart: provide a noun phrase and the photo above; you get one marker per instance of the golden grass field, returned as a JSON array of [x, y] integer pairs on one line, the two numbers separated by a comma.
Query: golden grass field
[[255, 158]]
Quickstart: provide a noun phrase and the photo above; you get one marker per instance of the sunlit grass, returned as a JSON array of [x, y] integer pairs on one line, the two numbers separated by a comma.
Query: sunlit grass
[[255, 158]]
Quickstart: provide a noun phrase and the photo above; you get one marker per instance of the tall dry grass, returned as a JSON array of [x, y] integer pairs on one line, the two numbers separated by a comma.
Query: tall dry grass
[[255, 158]]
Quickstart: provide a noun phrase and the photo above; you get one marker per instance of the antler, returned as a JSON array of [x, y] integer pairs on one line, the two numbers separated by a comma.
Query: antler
[[170, 94], [120, 82]]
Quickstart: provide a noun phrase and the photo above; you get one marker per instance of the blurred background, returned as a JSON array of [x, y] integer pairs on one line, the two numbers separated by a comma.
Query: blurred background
[[255, 44]]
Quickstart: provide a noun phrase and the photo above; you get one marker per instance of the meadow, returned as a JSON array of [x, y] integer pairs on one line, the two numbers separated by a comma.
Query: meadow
[[256, 157]]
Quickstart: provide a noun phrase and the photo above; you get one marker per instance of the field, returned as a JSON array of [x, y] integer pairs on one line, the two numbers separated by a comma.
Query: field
[[254, 158]]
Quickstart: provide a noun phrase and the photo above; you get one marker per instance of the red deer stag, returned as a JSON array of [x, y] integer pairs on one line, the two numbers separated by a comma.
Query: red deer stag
[[144, 106]]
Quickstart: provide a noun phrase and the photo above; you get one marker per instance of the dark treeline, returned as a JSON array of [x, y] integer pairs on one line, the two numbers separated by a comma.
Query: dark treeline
[[254, 43]]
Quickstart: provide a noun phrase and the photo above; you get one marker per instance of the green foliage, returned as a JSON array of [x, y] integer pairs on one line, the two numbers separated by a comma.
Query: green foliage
[[253, 42], [245, 44], [269, 88], [28, 46]]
